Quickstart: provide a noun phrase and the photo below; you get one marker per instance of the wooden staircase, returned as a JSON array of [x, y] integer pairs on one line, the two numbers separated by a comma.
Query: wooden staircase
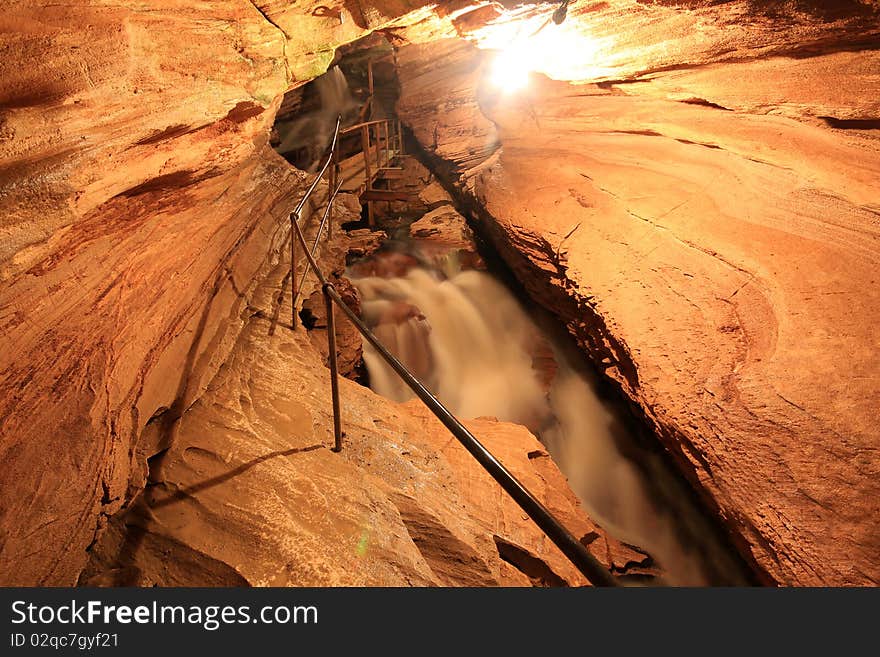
[[374, 158]]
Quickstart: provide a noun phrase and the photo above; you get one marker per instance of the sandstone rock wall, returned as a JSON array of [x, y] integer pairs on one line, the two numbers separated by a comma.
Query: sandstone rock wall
[[138, 194], [139, 202], [141, 209], [705, 218]]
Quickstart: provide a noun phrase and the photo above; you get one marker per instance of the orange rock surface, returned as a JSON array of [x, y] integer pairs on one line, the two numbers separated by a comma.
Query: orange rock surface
[[141, 205], [250, 492], [707, 225], [713, 243]]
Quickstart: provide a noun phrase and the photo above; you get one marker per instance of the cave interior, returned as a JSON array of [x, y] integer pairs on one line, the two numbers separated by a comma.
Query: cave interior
[[632, 245]]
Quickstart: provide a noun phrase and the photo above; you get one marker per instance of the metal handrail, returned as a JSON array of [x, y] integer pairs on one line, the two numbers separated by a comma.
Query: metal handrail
[[323, 170], [335, 186], [573, 549], [297, 212], [324, 218]]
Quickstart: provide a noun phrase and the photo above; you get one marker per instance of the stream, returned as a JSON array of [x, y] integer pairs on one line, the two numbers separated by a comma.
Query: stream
[[477, 348]]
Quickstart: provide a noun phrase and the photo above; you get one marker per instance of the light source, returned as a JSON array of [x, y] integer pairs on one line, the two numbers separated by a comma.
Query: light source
[[510, 69], [558, 49]]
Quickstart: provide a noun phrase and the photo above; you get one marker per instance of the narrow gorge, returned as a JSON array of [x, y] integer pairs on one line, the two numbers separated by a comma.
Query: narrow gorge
[[631, 244]]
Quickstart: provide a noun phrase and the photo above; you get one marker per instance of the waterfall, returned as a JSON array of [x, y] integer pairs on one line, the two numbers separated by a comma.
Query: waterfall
[[334, 93], [314, 130], [468, 339], [475, 359]]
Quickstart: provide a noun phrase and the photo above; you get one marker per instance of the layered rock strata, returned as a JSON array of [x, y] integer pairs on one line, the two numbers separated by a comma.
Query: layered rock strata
[[139, 202], [711, 236], [141, 209], [709, 232]]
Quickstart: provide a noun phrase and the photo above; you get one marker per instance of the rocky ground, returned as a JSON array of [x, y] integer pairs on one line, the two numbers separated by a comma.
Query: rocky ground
[[249, 492]]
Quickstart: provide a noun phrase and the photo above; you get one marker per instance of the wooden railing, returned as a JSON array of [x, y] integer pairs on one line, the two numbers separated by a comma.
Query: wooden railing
[[381, 141]]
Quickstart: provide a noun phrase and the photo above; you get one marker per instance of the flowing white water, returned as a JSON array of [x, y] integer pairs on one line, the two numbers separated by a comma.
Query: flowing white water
[[454, 345], [315, 129], [472, 344]]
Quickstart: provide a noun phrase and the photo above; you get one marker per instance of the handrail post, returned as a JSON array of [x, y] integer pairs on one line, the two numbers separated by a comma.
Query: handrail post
[[379, 131], [378, 146], [330, 295], [370, 84], [332, 184], [294, 222], [365, 146], [334, 368], [330, 195], [330, 189]]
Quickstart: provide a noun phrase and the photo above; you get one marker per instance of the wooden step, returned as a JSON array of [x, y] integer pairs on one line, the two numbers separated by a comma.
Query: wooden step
[[388, 195], [391, 173]]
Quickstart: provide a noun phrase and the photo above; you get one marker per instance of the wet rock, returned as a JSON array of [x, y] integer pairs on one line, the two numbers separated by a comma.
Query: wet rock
[[444, 237], [434, 196], [443, 225], [386, 263], [364, 242]]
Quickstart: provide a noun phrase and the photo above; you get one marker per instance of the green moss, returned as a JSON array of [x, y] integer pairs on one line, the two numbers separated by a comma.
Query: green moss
[[314, 66]]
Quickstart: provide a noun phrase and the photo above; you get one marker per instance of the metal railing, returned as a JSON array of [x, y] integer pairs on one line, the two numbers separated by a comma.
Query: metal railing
[[573, 549]]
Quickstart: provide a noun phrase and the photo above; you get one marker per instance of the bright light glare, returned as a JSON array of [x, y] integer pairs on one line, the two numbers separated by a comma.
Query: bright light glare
[[510, 70], [561, 52]]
